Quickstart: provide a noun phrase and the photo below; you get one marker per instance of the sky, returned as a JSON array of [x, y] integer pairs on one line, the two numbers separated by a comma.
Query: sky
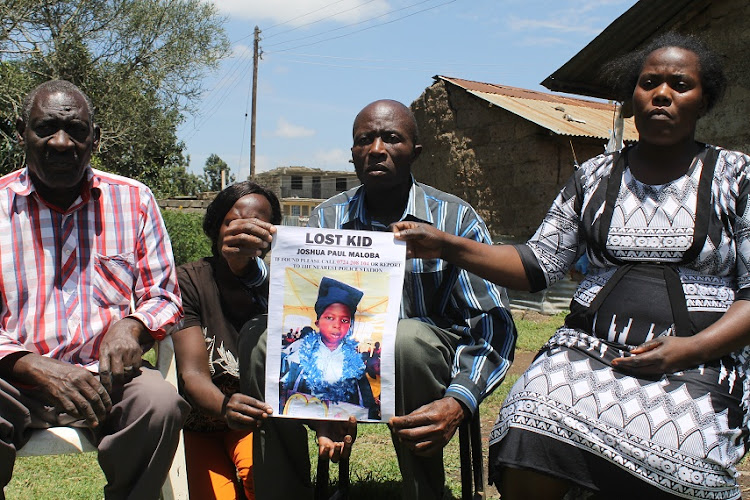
[[324, 60]]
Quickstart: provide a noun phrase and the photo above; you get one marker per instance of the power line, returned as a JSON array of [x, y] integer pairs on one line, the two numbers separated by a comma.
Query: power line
[[237, 65], [359, 6], [390, 68], [295, 18], [363, 29], [404, 61], [349, 25], [303, 15], [226, 84], [215, 103]]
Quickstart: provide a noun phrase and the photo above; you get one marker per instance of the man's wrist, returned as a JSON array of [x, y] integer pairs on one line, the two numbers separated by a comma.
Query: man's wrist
[[9, 364], [464, 408], [137, 329], [464, 394]]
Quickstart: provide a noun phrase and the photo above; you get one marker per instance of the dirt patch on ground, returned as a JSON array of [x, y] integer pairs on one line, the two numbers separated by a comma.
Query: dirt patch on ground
[[521, 361], [529, 315]]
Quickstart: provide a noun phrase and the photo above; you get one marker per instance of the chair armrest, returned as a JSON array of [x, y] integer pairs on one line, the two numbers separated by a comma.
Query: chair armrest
[[56, 441], [165, 361]]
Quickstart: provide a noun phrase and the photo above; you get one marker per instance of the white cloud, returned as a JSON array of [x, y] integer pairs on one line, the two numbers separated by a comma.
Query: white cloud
[[539, 41], [333, 159], [263, 163], [589, 5], [242, 51], [301, 12], [560, 23], [573, 16], [289, 130]]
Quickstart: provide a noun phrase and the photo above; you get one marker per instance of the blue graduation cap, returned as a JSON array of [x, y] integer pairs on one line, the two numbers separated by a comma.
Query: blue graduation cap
[[332, 291]]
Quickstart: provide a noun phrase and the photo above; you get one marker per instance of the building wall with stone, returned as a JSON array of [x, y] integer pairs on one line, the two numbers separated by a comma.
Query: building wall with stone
[[508, 168], [196, 203], [305, 182], [723, 26]]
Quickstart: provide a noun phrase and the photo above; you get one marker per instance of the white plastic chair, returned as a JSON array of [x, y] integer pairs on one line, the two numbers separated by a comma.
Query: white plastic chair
[[67, 440]]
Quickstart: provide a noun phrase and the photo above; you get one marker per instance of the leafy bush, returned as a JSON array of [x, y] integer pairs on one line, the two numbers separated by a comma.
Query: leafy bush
[[186, 232]]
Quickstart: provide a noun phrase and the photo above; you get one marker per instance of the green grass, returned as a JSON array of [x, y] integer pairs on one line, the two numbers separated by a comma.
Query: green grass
[[373, 467], [374, 472], [58, 477], [533, 333]]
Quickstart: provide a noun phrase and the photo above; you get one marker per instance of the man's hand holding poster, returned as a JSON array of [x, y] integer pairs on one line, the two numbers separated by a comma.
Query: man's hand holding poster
[[332, 315]]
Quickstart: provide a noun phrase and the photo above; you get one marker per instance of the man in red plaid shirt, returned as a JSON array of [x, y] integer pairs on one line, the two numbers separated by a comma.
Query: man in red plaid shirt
[[87, 282]]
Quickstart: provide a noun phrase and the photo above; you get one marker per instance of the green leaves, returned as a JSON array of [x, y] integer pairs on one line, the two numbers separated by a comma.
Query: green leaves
[[212, 173], [140, 61], [185, 230]]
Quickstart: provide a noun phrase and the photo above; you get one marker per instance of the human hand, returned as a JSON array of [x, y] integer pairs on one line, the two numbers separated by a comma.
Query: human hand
[[659, 356], [429, 428], [422, 240], [335, 438], [243, 240], [120, 353], [70, 388], [243, 412]]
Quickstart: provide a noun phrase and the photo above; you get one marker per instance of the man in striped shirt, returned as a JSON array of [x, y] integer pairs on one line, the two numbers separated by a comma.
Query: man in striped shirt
[[455, 337], [87, 281]]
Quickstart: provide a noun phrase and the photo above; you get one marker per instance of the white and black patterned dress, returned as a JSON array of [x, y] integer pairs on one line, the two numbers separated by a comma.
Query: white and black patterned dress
[[679, 254]]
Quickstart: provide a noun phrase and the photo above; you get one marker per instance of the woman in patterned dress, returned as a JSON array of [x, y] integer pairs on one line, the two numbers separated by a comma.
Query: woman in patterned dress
[[218, 438], [643, 393]]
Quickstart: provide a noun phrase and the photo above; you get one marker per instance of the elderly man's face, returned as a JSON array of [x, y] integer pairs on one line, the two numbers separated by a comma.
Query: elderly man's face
[[58, 140], [384, 148]]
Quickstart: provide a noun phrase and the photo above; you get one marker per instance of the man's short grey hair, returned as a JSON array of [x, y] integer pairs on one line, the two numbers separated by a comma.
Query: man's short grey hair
[[54, 86]]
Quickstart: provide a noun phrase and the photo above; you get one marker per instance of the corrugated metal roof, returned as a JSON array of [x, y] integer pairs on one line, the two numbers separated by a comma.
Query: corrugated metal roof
[[559, 114], [640, 23]]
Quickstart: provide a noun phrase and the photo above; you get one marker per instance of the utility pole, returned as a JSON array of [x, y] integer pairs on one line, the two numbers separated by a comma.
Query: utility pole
[[256, 56]]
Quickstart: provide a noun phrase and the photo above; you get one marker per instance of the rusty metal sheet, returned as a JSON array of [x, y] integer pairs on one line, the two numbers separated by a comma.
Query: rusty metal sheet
[[563, 118], [559, 114]]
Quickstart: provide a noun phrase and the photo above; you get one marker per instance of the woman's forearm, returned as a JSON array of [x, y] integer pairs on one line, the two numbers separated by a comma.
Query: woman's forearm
[[204, 393], [192, 368], [730, 333], [500, 264]]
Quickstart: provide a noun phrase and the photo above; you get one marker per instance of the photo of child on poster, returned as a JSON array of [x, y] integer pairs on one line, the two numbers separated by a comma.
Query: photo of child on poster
[[333, 314], [327, 363]]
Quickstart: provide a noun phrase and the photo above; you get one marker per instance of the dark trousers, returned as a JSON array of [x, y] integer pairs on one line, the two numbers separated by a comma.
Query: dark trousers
[[136, 442], [423, 357]]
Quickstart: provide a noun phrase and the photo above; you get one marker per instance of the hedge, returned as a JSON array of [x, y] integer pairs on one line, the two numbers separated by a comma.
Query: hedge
[[185, 229]]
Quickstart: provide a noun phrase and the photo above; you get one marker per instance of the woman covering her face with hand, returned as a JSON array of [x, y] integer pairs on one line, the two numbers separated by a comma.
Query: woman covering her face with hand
[[644, 392], [218, 432]]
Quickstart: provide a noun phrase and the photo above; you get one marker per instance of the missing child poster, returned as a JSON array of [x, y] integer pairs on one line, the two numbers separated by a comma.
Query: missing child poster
[[332, 315]]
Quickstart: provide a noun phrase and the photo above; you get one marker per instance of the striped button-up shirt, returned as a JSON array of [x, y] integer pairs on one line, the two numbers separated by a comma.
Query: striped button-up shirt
[[441, 294], [67, 276]]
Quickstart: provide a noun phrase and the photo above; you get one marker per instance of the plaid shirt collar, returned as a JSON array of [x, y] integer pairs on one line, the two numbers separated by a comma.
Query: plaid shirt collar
[[23, 186]]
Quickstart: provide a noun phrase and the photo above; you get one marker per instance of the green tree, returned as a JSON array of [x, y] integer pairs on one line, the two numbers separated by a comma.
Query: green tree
[[141, 62], [174, 180], [185, 229], [212, 173], [12, 83]]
